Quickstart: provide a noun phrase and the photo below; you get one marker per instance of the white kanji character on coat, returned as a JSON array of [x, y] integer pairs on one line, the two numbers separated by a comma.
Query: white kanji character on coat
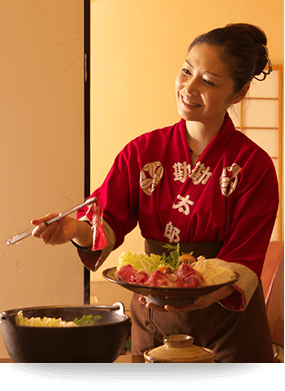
[[200, 174], [172, 233], [183, 205], [181, 171]]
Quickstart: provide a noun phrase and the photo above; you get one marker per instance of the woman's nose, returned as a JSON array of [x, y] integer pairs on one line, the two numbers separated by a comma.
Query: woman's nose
[[192, 87]]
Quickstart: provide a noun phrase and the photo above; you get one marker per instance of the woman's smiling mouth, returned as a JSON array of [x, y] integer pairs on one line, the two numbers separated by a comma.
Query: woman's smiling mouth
[[189, 103]]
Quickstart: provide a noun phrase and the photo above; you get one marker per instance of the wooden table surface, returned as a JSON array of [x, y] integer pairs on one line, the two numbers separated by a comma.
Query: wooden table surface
[[124, 359]]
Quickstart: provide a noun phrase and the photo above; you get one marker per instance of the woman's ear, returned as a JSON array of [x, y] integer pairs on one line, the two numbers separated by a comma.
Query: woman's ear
[[241, 94]]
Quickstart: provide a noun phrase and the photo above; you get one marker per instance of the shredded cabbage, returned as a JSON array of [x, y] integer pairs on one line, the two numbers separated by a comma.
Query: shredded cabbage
[[86, 320], [140, 261]]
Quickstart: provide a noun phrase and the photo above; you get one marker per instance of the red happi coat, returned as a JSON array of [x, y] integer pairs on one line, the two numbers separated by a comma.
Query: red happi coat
[[229, 196]]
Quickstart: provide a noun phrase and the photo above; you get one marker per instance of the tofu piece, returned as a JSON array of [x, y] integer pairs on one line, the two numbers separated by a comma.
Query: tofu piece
[[221, 277]]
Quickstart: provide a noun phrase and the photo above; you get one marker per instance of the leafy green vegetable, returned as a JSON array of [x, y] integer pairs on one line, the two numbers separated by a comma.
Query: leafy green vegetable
[[87, 320], [172, 259]]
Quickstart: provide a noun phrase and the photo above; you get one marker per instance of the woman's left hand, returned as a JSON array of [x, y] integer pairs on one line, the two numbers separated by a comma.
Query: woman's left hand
[[198, 304]]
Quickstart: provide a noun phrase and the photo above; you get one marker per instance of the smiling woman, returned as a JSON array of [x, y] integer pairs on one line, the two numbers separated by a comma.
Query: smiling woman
[[223, 199], [217, 74], [205, 90]]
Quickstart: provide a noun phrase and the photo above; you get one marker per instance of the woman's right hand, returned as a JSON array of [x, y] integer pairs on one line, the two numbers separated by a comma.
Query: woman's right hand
[[62, 231]]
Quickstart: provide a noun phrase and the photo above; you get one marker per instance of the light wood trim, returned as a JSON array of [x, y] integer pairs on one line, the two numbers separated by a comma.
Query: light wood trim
[[259, 98], [280, 140], [280, 154], [241, 116], [260, 128]]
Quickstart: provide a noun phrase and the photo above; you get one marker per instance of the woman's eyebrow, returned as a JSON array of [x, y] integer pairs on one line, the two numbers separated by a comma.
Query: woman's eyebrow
[[208, 72], [190, 65]]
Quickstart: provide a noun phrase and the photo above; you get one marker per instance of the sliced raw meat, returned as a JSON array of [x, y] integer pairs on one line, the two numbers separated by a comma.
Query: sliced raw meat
[[139, 277], [160, 279], [191, 281], [126, 272], [184, 277], [189, 277], [95, 217], [184, 270]]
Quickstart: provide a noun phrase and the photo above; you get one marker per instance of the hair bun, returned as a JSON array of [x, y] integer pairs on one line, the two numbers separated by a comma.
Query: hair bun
[[259, 38], [254, 32], [262, 60], [243, 49]]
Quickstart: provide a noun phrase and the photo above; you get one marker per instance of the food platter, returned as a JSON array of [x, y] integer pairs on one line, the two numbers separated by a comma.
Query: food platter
[[160, 296]]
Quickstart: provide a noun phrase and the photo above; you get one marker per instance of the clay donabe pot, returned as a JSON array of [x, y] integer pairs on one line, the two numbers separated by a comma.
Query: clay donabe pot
[[179, 348], [101, 343]]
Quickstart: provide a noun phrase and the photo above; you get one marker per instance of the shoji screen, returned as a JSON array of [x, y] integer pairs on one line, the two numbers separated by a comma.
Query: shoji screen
[[259, 116]]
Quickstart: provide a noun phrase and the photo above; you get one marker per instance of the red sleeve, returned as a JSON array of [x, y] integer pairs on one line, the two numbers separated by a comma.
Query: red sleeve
[[118, 195], [253, 218]]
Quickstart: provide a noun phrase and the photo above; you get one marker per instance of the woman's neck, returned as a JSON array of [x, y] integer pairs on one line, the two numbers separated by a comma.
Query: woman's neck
[[199, 136]]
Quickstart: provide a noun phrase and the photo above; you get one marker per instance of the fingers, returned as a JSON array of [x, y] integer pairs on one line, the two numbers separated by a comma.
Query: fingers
[[39, 230], [168, 308], [196, 305], [59, 232], [180, 310], [37, 222], [44, 231], [150, 305]]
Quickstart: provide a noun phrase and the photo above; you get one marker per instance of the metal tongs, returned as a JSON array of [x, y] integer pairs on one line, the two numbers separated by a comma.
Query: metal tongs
[[17, 238]]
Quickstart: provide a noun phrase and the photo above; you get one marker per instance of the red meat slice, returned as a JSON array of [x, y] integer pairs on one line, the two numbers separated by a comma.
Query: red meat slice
[[95, 216], [184, 270], [191, 281], [160, 279], [126, 272], [139, 277], [184, 277], [188, 277]]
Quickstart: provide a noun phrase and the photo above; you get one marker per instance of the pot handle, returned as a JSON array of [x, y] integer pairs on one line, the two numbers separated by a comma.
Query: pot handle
[[4, 318], [120, 307], [117, 306]]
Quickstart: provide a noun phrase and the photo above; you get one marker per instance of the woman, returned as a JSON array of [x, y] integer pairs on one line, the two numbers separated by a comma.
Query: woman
[[200, 183]]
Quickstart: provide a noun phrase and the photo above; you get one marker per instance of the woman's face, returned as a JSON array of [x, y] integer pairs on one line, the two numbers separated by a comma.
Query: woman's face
[[204, 89]]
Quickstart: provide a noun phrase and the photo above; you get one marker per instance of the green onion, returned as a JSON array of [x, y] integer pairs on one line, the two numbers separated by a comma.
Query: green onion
[[87, 320]]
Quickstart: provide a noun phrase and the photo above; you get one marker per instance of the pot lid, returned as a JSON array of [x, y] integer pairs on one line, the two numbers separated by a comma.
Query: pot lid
[[177, 349]]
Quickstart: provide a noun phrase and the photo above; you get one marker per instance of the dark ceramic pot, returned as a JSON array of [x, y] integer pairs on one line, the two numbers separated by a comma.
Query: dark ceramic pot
[[100, 343]]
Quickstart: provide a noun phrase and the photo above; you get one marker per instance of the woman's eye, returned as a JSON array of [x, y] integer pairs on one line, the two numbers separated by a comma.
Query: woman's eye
[[209, 82], [186, 71]]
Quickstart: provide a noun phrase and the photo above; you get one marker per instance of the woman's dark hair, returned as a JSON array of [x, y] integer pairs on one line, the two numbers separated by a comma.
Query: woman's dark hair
[[244, 51]]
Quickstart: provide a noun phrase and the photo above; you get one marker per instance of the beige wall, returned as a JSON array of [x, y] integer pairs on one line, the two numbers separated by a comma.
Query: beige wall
[[137, 49], [41, 148]]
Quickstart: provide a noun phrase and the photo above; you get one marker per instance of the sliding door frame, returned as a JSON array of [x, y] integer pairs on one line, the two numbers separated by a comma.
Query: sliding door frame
[[86, 127]]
